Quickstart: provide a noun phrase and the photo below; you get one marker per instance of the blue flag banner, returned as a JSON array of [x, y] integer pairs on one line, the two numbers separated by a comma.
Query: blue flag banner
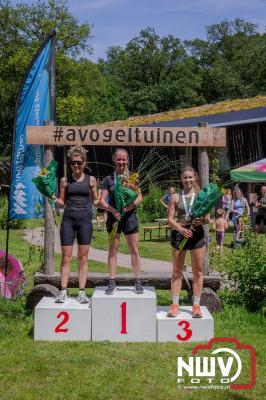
[[35, 104]]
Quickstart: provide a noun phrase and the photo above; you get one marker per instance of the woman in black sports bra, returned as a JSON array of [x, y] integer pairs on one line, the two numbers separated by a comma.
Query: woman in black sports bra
[[128, 224], [76, 196], [179, 217]]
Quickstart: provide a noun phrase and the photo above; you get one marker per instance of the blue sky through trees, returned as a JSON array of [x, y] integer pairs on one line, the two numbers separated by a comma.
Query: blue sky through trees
[[115, 22]]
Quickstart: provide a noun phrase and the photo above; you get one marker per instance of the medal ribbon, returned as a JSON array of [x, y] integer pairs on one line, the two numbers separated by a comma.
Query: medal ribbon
[[188, 209]]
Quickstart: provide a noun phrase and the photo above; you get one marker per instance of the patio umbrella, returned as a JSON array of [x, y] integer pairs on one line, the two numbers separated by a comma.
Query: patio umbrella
[[254, 172]]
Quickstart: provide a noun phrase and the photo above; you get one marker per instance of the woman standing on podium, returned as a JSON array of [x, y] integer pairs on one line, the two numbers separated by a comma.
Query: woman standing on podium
[[128, 224], [181, 204], [76, 196]]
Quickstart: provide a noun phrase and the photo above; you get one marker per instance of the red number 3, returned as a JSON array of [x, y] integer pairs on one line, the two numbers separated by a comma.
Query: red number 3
[[188, 332], [59, 328]]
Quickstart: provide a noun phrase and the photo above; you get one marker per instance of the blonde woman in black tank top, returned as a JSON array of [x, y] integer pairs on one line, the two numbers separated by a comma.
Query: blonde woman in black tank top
[[181, 204], [76, 196]]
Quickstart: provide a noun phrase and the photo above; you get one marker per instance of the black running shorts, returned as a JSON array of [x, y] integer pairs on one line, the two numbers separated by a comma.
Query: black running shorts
[[128, 224], [195, 242], [259, 218], [76, 223]]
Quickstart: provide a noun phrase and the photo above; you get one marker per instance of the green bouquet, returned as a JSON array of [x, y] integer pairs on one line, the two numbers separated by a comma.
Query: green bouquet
[[125, 192], [203, 204], [45, 182]]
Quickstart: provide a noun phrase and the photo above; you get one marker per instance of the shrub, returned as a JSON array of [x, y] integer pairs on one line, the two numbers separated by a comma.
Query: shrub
[[151, 208], [245, 268], [13, 224]]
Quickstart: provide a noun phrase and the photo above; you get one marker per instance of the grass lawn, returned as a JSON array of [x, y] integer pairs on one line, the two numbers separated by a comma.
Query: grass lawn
[[103, 370]]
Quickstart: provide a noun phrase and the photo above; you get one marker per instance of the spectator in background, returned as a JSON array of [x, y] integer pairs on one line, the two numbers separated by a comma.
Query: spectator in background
[[226, 203], [239, 207], [220, 226], [165, 200], [261, 206], [100, 212]]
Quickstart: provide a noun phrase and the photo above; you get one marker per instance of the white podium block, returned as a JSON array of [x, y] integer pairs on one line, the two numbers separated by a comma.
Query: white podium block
[[62, 321], [184, 328], [124, 316]]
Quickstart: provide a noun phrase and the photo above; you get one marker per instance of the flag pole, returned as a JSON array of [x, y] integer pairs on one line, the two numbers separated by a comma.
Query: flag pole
[[35, 57]]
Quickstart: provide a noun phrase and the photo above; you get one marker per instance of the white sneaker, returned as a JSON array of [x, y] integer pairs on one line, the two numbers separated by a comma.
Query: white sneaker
[[82, 298], [62, 296]]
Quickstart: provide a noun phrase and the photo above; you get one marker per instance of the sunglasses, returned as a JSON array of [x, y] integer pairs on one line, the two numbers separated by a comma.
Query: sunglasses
[[75, 162]]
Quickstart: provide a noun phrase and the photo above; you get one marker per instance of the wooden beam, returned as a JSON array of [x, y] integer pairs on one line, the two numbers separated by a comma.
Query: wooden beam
[[203, 167], [126, 136], [97, 279], [49, 226]]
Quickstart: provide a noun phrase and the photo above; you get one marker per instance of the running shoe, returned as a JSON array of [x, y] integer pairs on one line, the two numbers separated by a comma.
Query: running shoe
[[111, 288], [138, 289], [196, 311], [82, 298], [62, 296], [174, 310]]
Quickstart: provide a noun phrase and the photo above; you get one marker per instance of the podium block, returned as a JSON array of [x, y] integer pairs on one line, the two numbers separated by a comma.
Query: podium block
[[62, 321], [184, 328], [124, 316]]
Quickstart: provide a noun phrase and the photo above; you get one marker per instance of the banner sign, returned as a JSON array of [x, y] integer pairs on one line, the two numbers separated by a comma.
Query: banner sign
[[35, 104], [127, 136]]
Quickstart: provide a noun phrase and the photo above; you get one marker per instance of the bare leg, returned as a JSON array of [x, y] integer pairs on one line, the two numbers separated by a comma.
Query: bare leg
[[132, 242], [65, 265], [197, 257], [83, 252], [112, 256], [178, 258]]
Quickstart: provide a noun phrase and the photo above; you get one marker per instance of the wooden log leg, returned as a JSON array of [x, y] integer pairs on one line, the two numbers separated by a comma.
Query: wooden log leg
[[210, 299], [40, 291]]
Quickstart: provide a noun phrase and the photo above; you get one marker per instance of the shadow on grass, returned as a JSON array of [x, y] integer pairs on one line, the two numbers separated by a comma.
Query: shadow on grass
[[31, 332]]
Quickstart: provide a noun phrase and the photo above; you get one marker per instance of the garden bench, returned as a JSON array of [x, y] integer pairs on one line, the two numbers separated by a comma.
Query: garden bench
[[149, 229]]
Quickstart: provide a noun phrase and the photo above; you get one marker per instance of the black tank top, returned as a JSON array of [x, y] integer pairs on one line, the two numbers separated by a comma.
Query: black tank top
[[78, 195]]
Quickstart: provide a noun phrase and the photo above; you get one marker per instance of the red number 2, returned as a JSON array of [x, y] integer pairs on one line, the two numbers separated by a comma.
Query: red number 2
[[63, 322], [186, 330], [123, 318]]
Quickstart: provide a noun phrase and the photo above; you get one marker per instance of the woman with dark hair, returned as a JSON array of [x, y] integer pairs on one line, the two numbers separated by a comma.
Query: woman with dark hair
[[181, 205], [76, 196], [128, 224]]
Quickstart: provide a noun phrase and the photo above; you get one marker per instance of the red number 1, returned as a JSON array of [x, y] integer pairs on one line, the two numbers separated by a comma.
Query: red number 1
[[186, 330], [63, 322], [123, 318]]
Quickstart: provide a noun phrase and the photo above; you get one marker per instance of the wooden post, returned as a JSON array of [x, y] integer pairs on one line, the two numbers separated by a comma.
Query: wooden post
[[49, 226], [203, 168]]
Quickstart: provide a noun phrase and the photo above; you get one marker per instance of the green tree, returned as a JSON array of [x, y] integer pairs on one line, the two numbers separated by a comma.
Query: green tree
[[154, 74], [231, 60], [22, 30]]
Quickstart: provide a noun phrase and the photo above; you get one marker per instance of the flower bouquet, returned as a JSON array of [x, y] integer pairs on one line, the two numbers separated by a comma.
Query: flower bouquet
[[125, 192], [204, 202], [45, 182]]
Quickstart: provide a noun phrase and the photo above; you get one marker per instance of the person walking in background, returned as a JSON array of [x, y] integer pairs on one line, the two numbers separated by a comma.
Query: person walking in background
[[165, 200], [182, 204], [226, 203], [239, 207], [76, 196], [261, 206], [220, 226], [101, 213], [128, 224]]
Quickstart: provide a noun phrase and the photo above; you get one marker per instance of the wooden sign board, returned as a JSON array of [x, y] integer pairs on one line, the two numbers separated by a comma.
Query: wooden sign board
[[93, 135]]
